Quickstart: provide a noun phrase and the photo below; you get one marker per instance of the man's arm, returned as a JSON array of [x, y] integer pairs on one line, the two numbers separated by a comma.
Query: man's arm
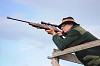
[[62, 43]]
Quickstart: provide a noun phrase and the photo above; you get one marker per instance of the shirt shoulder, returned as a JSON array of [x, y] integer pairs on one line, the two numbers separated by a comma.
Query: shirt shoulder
[[80, 29]]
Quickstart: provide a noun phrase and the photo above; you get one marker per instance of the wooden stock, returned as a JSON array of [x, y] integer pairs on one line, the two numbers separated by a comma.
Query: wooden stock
[[42, 26]]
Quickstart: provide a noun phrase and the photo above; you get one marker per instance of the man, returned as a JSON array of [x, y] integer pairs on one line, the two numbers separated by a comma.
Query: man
[[72, 34]]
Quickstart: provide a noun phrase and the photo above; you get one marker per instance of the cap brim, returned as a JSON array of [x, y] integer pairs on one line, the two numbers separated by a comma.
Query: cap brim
[[67, 22]]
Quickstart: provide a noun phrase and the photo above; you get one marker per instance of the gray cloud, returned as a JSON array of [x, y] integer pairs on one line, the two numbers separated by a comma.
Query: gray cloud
[[86, 12]]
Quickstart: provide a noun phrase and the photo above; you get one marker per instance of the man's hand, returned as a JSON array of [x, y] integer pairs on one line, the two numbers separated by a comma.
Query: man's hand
[[59, 33], [50, 31]]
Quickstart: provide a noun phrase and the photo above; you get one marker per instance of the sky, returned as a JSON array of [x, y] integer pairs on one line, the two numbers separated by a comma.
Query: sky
[[24, 45]]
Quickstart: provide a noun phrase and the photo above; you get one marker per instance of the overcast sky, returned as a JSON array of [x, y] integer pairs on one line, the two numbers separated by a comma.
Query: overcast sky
[[23, 45]]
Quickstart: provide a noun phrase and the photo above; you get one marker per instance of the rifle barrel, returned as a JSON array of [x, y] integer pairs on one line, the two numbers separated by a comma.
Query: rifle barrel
[[17, 19]]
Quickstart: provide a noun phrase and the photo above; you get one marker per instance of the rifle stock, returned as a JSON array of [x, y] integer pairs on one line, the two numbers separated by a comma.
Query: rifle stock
[[40, 26]]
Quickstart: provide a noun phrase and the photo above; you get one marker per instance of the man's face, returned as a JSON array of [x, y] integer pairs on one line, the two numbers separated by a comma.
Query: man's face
[[66, 27]]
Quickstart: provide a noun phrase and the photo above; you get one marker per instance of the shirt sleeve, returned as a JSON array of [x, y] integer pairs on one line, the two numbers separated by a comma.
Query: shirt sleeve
[[63, 43]]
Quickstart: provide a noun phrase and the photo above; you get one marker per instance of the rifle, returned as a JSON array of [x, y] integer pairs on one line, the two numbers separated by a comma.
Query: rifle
[[43, 25]]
